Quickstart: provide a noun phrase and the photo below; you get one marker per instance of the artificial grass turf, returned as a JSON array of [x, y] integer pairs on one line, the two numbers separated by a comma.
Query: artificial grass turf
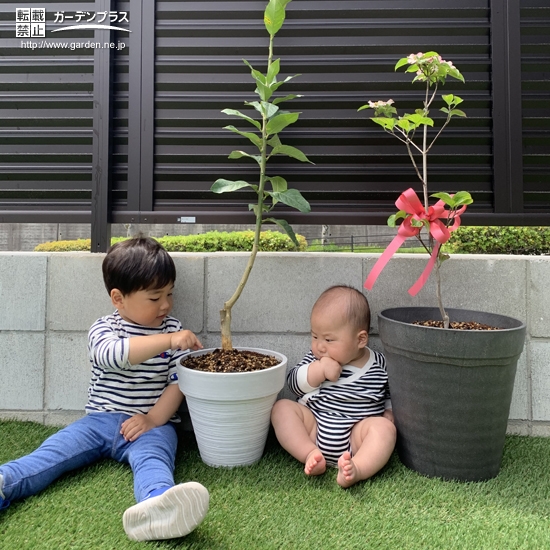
[[273, 505]]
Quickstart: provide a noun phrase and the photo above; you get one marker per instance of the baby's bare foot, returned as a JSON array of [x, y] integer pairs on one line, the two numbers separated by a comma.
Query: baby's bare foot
[[347, 471], [315, 463]]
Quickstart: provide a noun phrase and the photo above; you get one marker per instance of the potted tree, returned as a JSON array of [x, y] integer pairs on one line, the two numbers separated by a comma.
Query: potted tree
[[230, 392], [451, 371]]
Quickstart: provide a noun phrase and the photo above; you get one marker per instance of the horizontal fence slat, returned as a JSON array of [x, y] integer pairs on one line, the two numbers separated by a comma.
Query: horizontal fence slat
[[344, 51]]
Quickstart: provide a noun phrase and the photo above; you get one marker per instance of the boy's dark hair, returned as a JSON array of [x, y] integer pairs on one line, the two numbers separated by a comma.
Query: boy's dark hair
[[355, 302], [140, 263]]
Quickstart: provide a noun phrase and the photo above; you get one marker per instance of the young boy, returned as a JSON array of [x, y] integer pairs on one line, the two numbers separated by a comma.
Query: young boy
[[132, 400], [342, 416]]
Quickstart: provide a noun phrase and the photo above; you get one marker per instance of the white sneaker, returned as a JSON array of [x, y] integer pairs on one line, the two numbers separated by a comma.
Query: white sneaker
[[173, 514]]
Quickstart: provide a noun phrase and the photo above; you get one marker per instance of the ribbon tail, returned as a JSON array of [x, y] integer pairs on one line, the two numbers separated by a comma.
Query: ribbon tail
[[421, 281], [397, 241]]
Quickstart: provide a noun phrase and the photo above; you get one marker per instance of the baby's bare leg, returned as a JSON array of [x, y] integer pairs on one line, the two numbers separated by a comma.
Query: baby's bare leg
[[296, 429], [372, 443]]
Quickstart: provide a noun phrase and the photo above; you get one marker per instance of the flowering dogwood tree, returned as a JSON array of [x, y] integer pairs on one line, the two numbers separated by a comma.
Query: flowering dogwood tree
[[444, 216]]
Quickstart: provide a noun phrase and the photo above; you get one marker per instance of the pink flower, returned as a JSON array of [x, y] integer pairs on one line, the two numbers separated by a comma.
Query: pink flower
[[413, 58], [378, 104], [434, 59]]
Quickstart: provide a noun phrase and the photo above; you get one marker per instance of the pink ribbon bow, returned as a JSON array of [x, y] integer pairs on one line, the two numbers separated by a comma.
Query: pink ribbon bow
[[410, 203]]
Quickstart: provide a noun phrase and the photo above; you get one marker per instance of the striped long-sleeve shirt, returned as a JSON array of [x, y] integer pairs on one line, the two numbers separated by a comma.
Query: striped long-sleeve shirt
[[358, 393], [118, 386]]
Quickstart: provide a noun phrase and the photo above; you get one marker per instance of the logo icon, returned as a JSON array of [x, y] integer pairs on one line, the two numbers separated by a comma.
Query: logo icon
[[30, 22], [92, 20]]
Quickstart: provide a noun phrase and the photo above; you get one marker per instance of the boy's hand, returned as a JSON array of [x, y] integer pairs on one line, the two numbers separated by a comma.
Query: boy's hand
[[138, 424], [332, 368], [184, 339]]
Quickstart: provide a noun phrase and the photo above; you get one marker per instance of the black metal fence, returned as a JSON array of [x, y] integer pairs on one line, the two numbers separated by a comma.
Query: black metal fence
[[358, 243], [134, 133]]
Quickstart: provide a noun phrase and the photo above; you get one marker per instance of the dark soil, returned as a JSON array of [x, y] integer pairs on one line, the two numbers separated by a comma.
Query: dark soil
[[460, 325], [230, 361]]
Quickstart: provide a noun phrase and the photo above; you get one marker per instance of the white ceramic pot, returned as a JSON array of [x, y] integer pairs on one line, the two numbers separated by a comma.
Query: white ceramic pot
[[230, 412]]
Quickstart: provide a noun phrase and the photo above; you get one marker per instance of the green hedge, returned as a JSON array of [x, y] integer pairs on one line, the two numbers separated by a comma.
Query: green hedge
[[500, 240], [78, 245], [213, 241]]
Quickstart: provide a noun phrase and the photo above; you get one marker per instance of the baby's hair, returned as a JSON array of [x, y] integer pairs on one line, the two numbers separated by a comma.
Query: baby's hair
[[139, 263], [356, 305]]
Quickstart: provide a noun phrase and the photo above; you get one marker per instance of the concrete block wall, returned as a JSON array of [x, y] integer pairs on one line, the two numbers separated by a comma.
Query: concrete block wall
[[49, 300]]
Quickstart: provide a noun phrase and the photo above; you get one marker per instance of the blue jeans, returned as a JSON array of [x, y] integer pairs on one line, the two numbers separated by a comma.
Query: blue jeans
[[151, 456]]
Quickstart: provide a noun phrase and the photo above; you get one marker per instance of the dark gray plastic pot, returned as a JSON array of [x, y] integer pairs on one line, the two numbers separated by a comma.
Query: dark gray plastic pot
[[451, 390]]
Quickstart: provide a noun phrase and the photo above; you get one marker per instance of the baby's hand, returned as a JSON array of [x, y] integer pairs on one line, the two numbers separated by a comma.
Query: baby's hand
[[332, 368], [184, 339], [138, 424]]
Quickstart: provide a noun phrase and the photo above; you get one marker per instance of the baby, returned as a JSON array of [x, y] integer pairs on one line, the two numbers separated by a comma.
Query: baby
[[343, 416]]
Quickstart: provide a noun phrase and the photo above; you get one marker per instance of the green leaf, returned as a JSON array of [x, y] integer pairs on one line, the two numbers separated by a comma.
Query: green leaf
[[257, 75], [293, 198], [386, 123], [265, 107], [278, 122], [256, 140], [273, 71], [401, 62], [394, 217], [455, 73], [274, 141], [445, 197], [240, 154], [286, 227], [405, 124], [254, 208], [226, 186], [462, 197], [269, 109], [245, 117], [452, 100], [276, 85], [274, 15], [264, 91], [457, 112], [418, 119], [286, 98], [278, 184], [256, 104], [290, 152], [266, 207]]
